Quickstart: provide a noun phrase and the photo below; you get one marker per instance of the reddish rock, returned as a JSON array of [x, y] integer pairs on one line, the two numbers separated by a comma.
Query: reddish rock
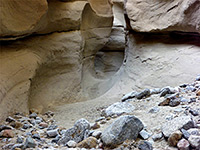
[[43, 124], [7, 133], [183, 144]]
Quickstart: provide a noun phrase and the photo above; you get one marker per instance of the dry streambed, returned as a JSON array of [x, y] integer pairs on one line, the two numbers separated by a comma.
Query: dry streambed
[[160, 119]]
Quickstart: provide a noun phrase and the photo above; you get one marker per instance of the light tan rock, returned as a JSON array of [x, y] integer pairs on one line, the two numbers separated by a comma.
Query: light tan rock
[[155, 16], [41, 71], [20, 18]]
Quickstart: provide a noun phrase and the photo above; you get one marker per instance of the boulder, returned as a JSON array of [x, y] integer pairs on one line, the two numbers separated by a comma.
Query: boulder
[[125, 127], [151, 16]]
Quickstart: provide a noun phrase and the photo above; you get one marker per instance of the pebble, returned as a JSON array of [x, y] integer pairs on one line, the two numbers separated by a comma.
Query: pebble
[[143, 94], [71, 144], [94, 126], [19, 139], [183, 144], [96, 134], [10, 119], [174, 138], [33, 115], [154, 109], [186, 134], [157, 136], [99, 119], [144, 134], [30, 143], [52, 133], [7, 133], [194, 112], [194, 140], [90, 142], [43, 125], [145, 145]]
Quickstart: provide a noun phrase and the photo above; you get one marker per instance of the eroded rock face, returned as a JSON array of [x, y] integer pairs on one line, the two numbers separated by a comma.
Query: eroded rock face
[[154, 16], [20, 18]]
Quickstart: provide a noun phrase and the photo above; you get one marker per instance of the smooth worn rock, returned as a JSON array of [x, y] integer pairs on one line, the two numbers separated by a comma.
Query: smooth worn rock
[[94, 126], [7, 133], [125, 127], [52, 133], [119, 108], [194, 131], [90, 142], [174, 138], [4, 127], [43, 125], [76, 133], [183, 144], [71, 143], [177, 123], [194, 140], [145, 145], [30, 143]]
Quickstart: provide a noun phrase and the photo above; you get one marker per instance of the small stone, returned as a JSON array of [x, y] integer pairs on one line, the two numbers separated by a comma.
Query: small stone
[[7, 133], [94, 126], [71, 144], [194, 140], [165, 91], [90, 142], [19, 139], [194, 131], [56, 139], [119, 108], [198, 93], [18, 125], [155, 91], [52, 127], [125, 127], [33, 115], [198, 78], [186, 134], [17, 146], [128, 96], [174, 102], [96, 134], [52, 133], [99, 119], [10, 119], [26, 126], [165, 102], [30, 143], [103, 122], [183, 85], [157, 136], [194, 112], [183, 144], [174, 138], [184, 100], [154, 110], [36, 136], [76, 133], [145, 145], [143, 94], [43, 125], [4, 127], [144, 134]]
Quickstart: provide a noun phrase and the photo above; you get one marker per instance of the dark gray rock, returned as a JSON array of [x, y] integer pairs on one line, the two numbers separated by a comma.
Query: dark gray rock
[[19, 139], [76, 133], [33, 115], [145, 145], [29, 143], [125, 127], [128, 96], [174, 102], [166, 91], [56, 139], [52, 127], [155, 91], [36, 136], [143, 94], [119, 108], [194, 112], [10, 119], [26, 126]]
